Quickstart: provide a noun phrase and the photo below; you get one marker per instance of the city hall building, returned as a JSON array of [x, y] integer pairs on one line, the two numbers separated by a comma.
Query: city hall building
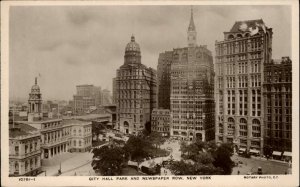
[[186, 77], [135, 91], [24, 151], [239, 66]]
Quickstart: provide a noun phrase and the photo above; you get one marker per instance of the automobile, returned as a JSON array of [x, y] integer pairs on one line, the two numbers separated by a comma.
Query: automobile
[[259, 171]]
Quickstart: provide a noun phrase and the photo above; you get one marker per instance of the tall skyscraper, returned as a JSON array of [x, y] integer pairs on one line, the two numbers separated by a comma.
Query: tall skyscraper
[[87, 96], [135, 88], [239, 67], [277, 96], [186, 86], [164, 79]]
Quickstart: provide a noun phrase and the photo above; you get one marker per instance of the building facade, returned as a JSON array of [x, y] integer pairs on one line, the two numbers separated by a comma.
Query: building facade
[[239, 65], [86, 98], [161, 121], [106, 97], [24, 151], [81, 135], [277, 96], [164, 79], [54, 138], [191, 90], [135, 87]]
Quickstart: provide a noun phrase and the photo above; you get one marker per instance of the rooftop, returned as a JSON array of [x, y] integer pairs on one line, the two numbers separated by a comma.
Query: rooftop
[[22, 129], [75, 122], [242, 26], [87, 117]]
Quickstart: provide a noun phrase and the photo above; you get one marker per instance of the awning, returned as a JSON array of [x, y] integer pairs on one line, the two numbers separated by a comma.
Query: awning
[[286, 153], [242, 149], [276, 153], [254, 151]]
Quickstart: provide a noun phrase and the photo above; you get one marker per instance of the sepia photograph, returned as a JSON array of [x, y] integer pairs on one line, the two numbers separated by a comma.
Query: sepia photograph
[[148, 92]]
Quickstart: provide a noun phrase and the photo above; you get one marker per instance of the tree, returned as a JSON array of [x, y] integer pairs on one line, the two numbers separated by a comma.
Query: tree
[[98, 128], [156, 139], [192, 150], [267, 151], [204, 158], [109, 160], [222, 158], [136, 148], [185, 167]]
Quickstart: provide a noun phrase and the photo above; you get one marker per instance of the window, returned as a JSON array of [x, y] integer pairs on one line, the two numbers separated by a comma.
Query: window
[[17, 150]]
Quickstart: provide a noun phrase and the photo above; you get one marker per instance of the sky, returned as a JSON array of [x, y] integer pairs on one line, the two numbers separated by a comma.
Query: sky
[[65, 46]]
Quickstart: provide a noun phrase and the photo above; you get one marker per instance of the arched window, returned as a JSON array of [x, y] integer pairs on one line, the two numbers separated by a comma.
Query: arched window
[[231, 120], [126, 124], [256, 122], [242, 120], [230, 37], [239, 36]]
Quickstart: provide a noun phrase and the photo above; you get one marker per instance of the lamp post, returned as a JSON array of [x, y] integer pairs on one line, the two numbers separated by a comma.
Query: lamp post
[[59, 171]]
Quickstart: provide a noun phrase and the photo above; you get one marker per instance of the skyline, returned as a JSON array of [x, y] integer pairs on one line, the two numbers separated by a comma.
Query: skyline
[[96, 38]]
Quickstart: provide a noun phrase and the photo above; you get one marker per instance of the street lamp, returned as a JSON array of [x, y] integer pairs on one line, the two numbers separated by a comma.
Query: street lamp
[[59, 171]]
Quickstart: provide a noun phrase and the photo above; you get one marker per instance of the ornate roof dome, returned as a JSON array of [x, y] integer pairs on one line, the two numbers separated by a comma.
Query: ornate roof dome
[[35, 88], [132, 46]]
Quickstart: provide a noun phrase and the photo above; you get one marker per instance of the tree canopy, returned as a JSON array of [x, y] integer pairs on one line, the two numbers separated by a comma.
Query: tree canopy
[[137, 148], [204, 158], [108, 160], [222, 158]]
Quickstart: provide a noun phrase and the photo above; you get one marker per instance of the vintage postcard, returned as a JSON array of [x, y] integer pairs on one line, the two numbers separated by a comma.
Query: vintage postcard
[[150, 93]]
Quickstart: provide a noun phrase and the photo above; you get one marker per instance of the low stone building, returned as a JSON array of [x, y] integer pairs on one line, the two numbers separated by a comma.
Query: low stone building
[[81, 135], [161, 121]]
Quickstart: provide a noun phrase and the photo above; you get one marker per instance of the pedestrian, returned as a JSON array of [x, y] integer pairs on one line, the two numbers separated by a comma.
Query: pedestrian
[[238, 172]]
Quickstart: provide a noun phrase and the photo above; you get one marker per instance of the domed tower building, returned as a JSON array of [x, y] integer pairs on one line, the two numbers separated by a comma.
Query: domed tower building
[[35, 103], [135, 91]]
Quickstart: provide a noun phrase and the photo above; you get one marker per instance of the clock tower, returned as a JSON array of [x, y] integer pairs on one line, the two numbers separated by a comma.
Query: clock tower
[[35, 103]]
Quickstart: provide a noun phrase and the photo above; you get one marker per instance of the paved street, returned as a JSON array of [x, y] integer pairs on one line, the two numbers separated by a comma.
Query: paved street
[[252, 164], [175, 148], [74, 163]]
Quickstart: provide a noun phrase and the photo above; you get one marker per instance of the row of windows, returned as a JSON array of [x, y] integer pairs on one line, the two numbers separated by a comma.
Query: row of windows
[[185, 128], [241, 133], [82, 142], [32, 147], [279, 134], [164, 129], [51, 124]]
